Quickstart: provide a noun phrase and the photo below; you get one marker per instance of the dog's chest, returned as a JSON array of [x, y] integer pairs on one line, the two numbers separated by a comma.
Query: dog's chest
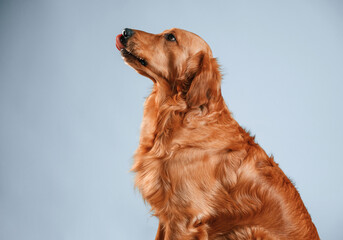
[[184, 184]]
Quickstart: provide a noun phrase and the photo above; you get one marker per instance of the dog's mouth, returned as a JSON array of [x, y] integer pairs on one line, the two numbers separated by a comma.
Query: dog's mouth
[[128, 55]]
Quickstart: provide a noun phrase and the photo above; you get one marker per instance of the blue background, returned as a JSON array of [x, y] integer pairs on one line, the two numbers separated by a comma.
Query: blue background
[[71, 109]]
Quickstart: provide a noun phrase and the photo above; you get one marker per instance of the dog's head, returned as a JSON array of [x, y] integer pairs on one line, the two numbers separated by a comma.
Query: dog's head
[[176, 59]]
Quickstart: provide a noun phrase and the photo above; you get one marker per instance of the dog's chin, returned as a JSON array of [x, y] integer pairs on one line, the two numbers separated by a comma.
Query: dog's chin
[[139, 64]]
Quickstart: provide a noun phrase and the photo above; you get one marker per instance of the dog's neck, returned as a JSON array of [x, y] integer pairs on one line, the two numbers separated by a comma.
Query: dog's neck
[[166, 113]]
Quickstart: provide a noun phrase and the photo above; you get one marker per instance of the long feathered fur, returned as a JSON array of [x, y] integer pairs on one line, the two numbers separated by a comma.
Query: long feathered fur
[[204, 176]]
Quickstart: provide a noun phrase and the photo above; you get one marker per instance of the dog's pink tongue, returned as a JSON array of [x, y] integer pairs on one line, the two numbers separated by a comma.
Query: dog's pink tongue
[[119, 45]]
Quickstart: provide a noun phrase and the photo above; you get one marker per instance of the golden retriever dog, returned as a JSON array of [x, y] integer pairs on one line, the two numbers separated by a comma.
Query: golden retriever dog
[[203, 175]]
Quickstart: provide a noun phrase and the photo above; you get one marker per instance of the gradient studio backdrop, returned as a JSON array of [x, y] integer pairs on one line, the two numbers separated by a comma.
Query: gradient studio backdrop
[[70, 109]]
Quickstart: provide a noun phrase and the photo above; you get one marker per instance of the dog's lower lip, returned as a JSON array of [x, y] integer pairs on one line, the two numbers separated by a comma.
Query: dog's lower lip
[[141, 60]]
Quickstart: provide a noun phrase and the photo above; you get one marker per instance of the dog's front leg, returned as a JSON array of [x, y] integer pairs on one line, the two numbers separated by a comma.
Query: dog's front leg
[[182, 231], [160, 232]]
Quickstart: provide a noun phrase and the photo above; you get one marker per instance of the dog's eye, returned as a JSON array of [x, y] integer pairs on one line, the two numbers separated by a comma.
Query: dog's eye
[[170, 37]]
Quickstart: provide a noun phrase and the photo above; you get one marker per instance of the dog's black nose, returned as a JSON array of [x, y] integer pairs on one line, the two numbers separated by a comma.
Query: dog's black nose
[[127, 33]]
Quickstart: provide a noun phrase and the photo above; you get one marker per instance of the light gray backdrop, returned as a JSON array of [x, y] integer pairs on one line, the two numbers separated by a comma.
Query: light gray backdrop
[[71, 109]]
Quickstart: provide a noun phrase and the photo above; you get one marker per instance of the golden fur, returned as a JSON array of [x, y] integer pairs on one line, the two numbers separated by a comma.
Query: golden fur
[[203, 175]]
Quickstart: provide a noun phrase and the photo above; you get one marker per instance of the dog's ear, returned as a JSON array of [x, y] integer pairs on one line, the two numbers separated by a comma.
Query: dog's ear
[[202, 78]]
